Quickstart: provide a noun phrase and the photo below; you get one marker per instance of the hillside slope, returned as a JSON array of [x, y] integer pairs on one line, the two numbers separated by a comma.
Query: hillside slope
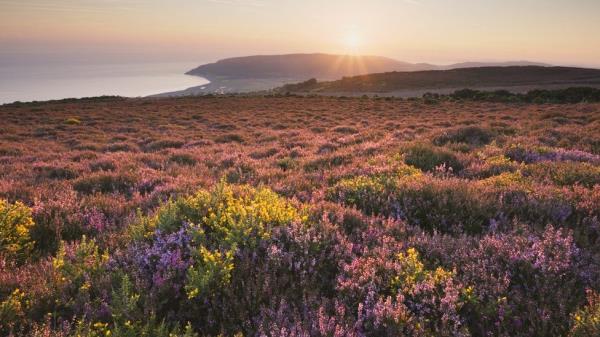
[[304, 66], [320, 66], [456, 78]]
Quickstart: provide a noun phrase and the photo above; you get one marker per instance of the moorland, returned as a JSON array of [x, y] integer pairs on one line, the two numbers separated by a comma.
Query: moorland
[[299, 216]]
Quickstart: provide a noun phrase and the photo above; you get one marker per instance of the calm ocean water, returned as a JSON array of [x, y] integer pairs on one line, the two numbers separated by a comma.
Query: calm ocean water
[[37, 83]]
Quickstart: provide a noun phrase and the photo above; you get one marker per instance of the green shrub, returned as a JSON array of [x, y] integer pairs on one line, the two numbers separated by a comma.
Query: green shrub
[[472, 135], [163, 144], [79, 277], [105, 165], [287, 163], [345, 130], [15, 225], [568, 95], [151, 327], [128, 319], [12, 311], [492, 166], [362, 192], [229, 138], [55, 173], [327, 162], [105, 183], [448, 205], [445, 205], [264, 154], [10, 151], [428, 158], [565, 173], [183, 159], [120, 147], [77, 263]]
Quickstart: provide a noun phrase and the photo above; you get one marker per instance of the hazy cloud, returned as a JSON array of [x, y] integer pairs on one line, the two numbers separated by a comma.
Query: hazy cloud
[[252, 3], [71, 6]]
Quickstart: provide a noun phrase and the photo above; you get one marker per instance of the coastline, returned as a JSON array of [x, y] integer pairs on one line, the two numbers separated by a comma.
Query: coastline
[[229, 86]]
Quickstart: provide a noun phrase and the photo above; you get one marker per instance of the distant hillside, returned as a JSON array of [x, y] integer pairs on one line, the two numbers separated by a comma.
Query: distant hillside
[[319, 66], [303, 66], [456, 78], [491, 64]]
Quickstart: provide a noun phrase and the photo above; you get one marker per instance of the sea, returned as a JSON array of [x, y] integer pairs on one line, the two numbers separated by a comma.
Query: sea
[[36, 82]]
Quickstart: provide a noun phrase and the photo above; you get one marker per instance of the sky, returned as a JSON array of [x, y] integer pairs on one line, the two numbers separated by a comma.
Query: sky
[[565, 32]]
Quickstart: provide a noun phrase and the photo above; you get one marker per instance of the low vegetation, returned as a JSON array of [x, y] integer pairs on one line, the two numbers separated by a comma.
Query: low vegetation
[[300, 216]]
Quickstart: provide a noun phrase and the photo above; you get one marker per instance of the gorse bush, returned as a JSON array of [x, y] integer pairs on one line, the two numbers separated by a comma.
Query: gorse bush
[[226, 210], [12, 310], [81, 278], [189, 251], [586, 322], [225, 223], [16, 223]]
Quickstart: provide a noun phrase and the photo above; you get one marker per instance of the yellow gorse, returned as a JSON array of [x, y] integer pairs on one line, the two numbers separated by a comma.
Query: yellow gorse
[[413, 271], [225, 220], [15, 225]]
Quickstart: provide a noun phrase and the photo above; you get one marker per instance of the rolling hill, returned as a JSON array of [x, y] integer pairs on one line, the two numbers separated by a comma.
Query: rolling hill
[[481, 77], [304, 66], [320, 66]]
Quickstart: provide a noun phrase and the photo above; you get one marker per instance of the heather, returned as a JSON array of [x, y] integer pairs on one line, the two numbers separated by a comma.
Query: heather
[[299, 216]]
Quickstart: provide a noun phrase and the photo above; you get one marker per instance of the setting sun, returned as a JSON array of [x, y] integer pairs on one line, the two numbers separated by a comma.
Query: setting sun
[[352, 42]]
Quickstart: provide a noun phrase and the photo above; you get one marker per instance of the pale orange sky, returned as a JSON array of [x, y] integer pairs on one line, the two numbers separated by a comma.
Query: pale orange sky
[[436, 31]]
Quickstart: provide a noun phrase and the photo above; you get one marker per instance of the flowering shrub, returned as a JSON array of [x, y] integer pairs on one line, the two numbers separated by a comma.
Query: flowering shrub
[[159, 267], [368, 192], [299, 216], [81, 279], [457, 205], [565, 173], [586, 322], [446, 205], [491, 166], [15, 226], [540, 154], [12, 310], [520, 284]]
